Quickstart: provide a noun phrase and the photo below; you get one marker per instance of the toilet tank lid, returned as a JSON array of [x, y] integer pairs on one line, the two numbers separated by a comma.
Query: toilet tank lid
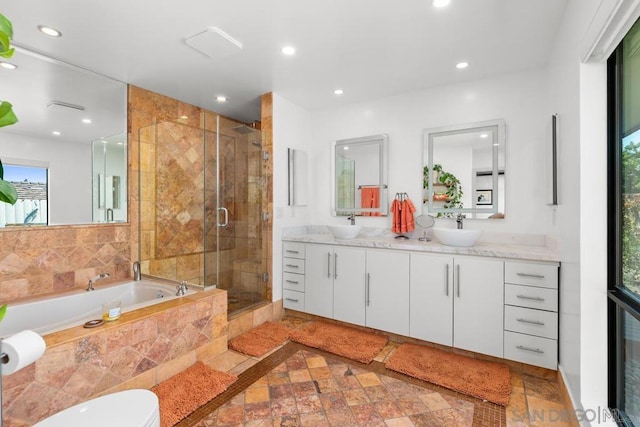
[[129, 408]]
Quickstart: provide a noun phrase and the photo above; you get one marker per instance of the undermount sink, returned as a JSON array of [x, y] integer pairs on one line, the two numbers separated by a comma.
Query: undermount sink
[[457, 237], [344, 231]]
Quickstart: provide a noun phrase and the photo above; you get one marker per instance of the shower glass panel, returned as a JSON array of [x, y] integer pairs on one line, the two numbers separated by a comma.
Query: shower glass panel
[[235, 254], [201, 194]]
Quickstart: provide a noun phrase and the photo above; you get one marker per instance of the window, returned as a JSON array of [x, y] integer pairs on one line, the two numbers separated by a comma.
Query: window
[[31, 184], [624, 229]]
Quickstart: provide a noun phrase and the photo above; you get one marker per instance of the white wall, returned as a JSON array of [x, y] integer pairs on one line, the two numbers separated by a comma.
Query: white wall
[[291, 126], [69, 174], [517, 98]]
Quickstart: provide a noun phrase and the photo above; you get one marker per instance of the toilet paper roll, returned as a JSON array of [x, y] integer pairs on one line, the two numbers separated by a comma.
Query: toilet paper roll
[[21, 349]]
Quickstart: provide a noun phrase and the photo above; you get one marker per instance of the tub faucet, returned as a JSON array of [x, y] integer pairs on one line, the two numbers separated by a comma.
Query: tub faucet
[[181, 288], [137, 274], [352, 218], [459, 219], [95, 279]]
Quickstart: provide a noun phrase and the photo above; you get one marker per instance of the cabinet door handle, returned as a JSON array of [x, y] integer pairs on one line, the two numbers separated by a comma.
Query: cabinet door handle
[[289, 251], [446, 279], [535, 276], [329, 265], [335, 265], [533, 322], [530, 298], [295, 282], [368, 290], [291, 299], [458, 278], [293, 266], [533, 350]]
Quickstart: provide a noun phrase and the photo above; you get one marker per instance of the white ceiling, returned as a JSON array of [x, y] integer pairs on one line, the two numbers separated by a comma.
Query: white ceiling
[[369, 48]]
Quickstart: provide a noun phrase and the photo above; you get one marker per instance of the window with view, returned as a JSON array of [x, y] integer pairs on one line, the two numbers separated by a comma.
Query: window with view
[[31, 184]]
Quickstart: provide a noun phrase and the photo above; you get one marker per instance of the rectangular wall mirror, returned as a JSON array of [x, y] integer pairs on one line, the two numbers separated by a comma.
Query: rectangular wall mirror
[[464, 170], [359, 172], [73, 121], [298, 177]]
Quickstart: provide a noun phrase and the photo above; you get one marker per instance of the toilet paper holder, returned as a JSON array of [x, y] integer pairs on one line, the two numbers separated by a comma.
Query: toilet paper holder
[[4, 358]]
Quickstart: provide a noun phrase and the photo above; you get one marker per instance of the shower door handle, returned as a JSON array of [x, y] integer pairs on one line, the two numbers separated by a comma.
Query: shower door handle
[[226, 217]]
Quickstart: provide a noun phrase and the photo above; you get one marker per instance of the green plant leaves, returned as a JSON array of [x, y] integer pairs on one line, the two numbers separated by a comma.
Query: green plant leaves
[[8, 193], [7, 116], [6, 34], [3, 311]]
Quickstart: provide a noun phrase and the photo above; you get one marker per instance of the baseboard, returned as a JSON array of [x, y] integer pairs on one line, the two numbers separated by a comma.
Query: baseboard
[[567, 398]]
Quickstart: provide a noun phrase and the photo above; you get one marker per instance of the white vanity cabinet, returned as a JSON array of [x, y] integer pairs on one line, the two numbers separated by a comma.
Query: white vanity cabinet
[[387, 291], [335, 274], [293, 277], [458, 301], [531, 313]]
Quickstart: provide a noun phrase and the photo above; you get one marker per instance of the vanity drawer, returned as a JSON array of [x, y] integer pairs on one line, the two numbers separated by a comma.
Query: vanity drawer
[[521, 273], [293, 265], [293, 300], [531, 296], [293, 250], [292, 281], [532, 350], [533, 322]]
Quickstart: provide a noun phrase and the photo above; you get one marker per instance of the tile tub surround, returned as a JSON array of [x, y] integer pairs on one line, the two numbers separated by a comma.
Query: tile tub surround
[[141, 349], [43, 260], [499, 245]]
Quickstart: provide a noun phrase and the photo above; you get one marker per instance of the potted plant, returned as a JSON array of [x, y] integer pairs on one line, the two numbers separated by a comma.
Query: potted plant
[[452, 196], [8, 192]]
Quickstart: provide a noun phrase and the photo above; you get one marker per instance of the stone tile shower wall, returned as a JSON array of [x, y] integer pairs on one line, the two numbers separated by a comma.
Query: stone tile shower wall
[[177, 157]]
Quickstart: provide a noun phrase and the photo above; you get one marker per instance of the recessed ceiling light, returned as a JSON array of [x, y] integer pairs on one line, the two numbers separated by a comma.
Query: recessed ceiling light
[[346, 147], [338, 91], [56, 133], [484, 135], [87, 121], [441, 3], [221, 98], [288, 50], [8, 65], [462, 65], [52, 32]]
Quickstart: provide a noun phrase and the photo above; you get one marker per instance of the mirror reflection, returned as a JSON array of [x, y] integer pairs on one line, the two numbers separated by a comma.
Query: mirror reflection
[[62, 110], [360, 176], [464, 170]]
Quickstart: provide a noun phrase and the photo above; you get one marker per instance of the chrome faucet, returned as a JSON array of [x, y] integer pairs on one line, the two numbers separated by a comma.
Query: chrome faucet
[[137, 274], [459, 219], [95, 279], [352, 218], [181, 288]]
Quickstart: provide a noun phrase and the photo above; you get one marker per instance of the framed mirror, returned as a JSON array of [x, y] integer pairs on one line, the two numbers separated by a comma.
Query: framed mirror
[[359, 170], [298, 177], [72, 124], [464, 170]]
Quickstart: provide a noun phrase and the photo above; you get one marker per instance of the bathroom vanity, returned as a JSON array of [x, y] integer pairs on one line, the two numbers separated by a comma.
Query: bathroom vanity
[[499, 299]]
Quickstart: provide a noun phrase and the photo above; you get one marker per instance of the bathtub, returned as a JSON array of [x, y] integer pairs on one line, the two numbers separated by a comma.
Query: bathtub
[[66, 310]]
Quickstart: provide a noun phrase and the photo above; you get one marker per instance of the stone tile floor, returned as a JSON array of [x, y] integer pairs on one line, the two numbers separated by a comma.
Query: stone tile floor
[[313, 388]]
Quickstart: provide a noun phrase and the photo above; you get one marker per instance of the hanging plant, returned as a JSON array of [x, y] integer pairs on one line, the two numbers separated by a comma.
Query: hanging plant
[[452, 196], [8, 192]]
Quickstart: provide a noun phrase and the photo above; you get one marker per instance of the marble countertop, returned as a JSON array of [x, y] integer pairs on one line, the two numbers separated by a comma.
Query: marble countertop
[[511, 246]]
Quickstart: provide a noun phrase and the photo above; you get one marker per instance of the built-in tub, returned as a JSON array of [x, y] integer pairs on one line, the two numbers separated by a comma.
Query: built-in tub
[[74, 308]]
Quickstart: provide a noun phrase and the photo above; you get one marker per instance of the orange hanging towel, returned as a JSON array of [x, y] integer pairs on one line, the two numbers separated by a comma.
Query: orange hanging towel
[[396, 213], [408, 223], [369, 199]]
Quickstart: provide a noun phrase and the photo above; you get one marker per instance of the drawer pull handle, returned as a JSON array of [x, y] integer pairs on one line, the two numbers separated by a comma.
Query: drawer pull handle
[[293, 266], [530, 298], [291, 299], [295, 282], [533, 350], [533, 322], [535, 276], [289, 251]]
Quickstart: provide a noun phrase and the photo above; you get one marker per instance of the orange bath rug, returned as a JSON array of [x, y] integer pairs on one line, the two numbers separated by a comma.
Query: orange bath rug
[[185, 392], [478, 378], [344, 341], [261, 339]]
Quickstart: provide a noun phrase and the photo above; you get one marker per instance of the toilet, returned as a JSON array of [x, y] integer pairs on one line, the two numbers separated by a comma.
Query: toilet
[[130, 408]]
